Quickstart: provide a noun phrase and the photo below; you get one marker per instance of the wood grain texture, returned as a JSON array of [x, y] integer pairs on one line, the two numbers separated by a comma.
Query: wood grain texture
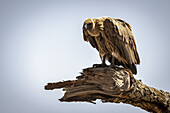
[[113, 85]]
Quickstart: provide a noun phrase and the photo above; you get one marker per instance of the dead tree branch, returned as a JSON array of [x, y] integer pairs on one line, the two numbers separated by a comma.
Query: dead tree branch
[[113, 85]]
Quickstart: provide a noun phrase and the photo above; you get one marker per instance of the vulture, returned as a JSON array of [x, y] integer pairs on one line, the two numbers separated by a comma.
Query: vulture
[[114, 40]]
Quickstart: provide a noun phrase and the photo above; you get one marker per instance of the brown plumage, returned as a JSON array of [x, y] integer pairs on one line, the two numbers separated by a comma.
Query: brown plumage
[[114, 40]]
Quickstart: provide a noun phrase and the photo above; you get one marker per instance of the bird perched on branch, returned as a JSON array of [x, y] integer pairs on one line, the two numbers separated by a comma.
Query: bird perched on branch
[[114, 40]]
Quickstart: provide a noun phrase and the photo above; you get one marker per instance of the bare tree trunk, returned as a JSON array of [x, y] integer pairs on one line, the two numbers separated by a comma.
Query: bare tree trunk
[[113, 85]]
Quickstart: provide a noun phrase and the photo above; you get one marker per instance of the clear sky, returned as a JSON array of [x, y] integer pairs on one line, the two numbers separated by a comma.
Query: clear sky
[[41, 41]]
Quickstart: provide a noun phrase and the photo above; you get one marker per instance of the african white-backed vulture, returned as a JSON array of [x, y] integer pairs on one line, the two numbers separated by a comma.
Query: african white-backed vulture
[[114, 40]]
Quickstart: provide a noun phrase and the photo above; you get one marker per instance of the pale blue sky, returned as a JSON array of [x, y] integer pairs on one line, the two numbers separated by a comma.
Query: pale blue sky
[[41, 41]]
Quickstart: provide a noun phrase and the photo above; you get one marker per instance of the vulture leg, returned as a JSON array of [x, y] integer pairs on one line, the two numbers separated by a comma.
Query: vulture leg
[[103, 60], [112, 65], [103, 63]]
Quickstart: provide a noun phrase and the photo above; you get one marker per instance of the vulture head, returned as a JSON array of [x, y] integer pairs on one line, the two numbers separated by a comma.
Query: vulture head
[[91, 27]]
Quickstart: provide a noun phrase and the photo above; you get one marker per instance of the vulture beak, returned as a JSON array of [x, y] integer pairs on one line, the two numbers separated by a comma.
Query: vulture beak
[[88, 26], [85, 27]]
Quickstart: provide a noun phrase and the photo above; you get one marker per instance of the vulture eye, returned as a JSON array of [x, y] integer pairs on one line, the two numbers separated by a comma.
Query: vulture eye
[[88, 26]]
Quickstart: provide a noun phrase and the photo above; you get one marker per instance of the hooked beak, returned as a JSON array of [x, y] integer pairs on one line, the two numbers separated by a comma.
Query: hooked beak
[[85, 27], [88, 26]]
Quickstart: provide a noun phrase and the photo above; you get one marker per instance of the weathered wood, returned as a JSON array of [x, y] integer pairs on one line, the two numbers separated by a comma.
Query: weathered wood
[[113, 85]]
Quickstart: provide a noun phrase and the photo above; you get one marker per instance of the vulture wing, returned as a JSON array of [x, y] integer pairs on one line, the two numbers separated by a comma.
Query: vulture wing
[[120, 41]]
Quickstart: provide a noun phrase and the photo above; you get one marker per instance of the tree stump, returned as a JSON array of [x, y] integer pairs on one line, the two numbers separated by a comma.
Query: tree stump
[[113, 85]]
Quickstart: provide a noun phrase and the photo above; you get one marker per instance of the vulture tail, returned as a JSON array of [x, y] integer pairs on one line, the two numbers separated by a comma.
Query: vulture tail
[[132, 67]]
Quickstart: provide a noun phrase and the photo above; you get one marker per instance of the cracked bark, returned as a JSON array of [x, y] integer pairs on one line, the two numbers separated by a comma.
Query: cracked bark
[[113, 85]]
